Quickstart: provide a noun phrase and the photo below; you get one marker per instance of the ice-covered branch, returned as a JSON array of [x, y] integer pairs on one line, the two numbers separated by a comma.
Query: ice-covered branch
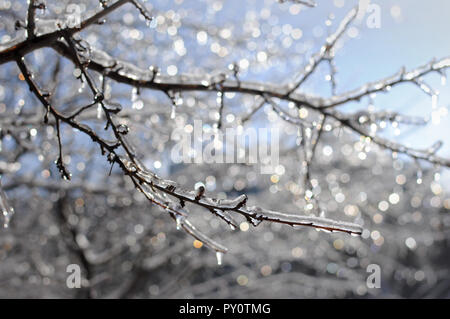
[[30, 18], [168, 195], [428, 154], [126, 73], [141, 176], [413, 76], [239, 205], [325, 52]]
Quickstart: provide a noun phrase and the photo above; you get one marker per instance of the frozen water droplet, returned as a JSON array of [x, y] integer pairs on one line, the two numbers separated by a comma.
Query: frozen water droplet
[[443, 80], [99, 111], [308, 132], [82, 86], [122, 129], [134, 94], [98, 97], [219, 98], [179, 220], [219, 256], [152, 24], [232, 227], [77, 73], [434, 101]]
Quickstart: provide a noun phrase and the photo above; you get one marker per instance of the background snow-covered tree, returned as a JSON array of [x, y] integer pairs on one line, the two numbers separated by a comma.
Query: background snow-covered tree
[[92, 94]]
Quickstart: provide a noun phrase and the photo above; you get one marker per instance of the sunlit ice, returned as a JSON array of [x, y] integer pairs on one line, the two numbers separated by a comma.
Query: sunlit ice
[[202, 144]]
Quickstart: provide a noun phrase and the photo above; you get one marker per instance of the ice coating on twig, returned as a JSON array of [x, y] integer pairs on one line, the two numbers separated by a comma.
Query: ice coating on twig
[[299, 220]]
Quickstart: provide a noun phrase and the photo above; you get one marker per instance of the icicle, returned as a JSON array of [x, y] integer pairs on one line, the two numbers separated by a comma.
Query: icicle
[[443, 80], [308, 132], [179, 220], [219, 256], [434, 101], [174, 112], [82, 86], [177, 100], [99, 111], [219, 98], [151, 23], [7, 210], [299, 137], [134, 94]]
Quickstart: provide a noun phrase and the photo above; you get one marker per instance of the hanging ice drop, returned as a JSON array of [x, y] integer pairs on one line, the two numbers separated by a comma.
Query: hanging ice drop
[[434, 101], [173, 113], [81, 89], [219, 98], [219, 256], [178, 219], [134, 94], [99, 111]]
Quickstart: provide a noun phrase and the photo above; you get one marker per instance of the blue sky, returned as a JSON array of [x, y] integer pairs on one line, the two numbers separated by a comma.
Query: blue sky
[[412, 32]]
